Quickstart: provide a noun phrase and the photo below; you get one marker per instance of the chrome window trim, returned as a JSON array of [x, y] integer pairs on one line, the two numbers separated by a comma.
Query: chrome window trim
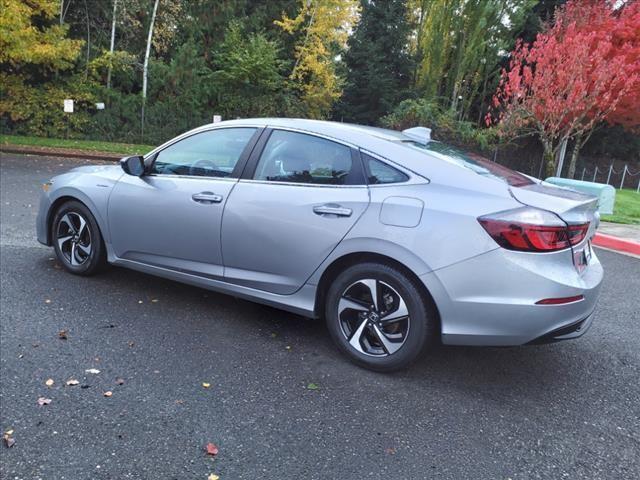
[[298, 184], [192, 177]]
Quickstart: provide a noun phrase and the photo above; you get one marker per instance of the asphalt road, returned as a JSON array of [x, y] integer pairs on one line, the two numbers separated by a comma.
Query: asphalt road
[[568, 410]]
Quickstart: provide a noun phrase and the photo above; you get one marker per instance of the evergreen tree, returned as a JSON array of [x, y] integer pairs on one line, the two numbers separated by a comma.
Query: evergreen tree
[[378, 62]]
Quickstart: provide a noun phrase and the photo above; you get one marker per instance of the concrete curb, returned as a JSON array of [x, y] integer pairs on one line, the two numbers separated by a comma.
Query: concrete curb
[[61, 152], [616, 244]]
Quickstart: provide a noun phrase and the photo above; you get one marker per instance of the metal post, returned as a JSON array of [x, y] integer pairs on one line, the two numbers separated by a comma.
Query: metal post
[[560, 157], [624, 172], [584, 169], [595, 172], [609, 176], [638, 189]]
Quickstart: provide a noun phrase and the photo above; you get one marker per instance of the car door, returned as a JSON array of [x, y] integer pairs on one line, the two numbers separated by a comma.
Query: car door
[[297, 199], [171, 216]]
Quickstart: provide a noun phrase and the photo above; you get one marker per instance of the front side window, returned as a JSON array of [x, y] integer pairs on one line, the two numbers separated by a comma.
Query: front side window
[[213, 153], [301, 158], [380, 173]]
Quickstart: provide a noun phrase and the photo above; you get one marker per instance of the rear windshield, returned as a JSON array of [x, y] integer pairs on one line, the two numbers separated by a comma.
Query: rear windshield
[[472, 161]]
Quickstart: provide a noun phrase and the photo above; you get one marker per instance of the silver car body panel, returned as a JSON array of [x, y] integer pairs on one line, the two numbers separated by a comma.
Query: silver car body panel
[[263, 241]]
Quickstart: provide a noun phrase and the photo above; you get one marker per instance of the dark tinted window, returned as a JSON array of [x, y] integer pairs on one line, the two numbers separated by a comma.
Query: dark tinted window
[[207, 154], [300, 158], [380, 173], [477, 163]]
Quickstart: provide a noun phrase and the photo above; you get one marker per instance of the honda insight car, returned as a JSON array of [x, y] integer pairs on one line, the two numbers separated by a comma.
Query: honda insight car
[[396, 240]]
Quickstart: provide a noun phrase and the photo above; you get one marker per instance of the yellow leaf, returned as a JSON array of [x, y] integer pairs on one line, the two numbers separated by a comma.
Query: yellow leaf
[[107, 394], [213, 476], [206, 385], [49, 382]]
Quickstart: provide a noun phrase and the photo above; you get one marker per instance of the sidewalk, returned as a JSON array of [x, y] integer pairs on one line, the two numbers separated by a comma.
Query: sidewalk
[[618, 237]]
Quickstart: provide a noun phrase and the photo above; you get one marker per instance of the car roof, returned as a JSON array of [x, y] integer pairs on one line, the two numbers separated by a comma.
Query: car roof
[[338, 130]]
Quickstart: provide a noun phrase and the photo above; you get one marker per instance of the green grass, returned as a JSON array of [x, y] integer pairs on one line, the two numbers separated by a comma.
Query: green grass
[[626, 209], [90, 145]]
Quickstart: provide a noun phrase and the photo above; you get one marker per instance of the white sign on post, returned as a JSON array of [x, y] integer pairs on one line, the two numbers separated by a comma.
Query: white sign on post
[[68, 106], [217, 118], [100, 105]]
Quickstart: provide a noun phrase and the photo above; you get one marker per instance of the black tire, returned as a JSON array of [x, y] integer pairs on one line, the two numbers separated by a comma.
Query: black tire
[[77, 240], [413, 336]]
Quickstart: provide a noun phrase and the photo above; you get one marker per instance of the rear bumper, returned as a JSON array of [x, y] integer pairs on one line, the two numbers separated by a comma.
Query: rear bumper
[[490, 300]]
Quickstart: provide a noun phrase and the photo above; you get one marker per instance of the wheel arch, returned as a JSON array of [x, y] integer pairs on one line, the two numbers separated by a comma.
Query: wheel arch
[[347, 260], [77, 196]]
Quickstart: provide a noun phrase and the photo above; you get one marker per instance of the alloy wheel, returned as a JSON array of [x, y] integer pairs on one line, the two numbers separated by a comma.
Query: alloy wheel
[[373, 317], [74, 238]]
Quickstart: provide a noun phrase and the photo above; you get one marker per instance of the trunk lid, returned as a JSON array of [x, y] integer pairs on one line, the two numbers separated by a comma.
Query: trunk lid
[[571, 206]]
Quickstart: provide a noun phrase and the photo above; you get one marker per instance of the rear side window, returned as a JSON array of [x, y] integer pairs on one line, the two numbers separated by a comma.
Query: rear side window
[[300, 158], [379, 173]]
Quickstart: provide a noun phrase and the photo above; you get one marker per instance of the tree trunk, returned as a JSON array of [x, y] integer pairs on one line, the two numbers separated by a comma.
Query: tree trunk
[[145, 67], [574, 157], [113, 40], [549, 160]]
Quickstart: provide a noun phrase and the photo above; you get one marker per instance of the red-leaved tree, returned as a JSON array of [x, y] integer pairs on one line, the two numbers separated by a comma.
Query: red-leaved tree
[[583, 70]]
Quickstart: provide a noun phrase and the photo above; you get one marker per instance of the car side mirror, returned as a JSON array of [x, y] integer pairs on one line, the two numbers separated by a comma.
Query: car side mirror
[[133, 165]]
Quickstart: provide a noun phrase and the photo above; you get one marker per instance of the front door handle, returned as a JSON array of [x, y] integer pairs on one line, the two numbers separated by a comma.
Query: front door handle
[[332, 209], [206, 197]]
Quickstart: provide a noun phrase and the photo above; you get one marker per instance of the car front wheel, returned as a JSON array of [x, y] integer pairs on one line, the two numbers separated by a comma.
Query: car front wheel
[[378, 317], [77, 240]]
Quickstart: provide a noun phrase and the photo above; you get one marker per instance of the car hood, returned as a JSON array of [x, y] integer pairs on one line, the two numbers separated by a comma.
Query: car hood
[[100, 169]]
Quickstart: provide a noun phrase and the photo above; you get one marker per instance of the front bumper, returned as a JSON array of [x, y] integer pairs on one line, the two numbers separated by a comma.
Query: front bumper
[[490, 300]]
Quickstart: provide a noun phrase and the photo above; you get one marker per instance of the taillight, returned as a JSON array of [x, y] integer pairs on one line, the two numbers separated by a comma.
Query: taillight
[[532, 230]]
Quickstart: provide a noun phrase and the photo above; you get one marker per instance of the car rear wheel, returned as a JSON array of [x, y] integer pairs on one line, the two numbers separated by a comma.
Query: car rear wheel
[[378, 317], [77, 240]]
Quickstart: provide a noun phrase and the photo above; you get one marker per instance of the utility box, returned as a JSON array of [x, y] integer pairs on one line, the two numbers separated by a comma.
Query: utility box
[[606, 193]]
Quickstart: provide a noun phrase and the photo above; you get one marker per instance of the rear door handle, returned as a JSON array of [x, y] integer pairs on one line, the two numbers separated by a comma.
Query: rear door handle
[[332, 209], [206, 197]]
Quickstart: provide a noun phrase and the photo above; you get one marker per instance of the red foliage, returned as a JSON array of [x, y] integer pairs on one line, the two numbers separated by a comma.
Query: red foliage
[[584, 69]]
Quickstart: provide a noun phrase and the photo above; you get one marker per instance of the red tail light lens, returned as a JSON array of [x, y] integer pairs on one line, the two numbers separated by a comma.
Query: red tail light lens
[[560, 301], [532, 230]]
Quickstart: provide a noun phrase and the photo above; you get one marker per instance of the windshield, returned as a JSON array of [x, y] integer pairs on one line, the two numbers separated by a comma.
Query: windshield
[[472, 161]]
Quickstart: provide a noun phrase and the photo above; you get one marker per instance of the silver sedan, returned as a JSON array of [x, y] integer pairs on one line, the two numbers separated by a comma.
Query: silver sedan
[[396, 240]]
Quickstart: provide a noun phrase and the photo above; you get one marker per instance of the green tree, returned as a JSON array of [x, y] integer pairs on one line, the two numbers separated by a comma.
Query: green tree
[[325, 26], [461, 45], [249, 74], [378, 62], [29, 36]]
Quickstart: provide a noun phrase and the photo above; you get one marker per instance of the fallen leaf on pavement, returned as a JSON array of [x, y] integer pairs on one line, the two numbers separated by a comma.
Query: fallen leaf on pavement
[[120, 381], [211, 449], [94, 371], [63, 334], [9, 441], [131, 344], [213, 476], [154, 300], [312, 386], [107, 394], [72, 382], [49, 382], [47, 301], [44, 401], [390, 451], [206, 385], [288, 347]]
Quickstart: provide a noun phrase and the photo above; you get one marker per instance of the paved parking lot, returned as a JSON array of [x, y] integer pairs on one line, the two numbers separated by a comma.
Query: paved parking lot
[[568, 410]]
